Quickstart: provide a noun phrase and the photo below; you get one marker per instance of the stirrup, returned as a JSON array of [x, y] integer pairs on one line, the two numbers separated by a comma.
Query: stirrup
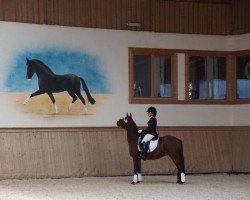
[[142, 157]]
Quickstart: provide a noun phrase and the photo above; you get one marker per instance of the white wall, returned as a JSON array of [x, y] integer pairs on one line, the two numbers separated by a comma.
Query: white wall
[[112, 47]]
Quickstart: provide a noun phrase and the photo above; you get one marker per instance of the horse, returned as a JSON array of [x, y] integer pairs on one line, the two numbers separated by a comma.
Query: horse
[[167, 146], [50, 83]]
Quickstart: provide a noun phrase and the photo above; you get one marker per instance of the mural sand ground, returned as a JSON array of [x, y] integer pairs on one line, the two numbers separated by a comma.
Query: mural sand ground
[[42, 105], [214, 186]]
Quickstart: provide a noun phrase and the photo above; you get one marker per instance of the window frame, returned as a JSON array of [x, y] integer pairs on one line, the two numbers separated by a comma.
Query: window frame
[[228, 77], [152, 53], [234, 61]]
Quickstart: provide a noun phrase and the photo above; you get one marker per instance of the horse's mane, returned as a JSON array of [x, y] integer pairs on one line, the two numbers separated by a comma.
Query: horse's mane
[[134, 124], [39, 62]]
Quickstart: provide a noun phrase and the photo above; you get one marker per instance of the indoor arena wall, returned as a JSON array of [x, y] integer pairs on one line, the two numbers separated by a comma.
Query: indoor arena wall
[[79, 152]]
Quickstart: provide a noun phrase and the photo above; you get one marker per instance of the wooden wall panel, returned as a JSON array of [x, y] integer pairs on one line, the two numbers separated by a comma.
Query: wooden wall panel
[[28, 11], [241, 17], [7, 9], [241, 158], [101, 20], [77, 152], [220, 17]]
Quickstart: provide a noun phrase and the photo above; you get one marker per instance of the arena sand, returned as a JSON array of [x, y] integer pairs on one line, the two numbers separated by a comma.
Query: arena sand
[[202, 187]]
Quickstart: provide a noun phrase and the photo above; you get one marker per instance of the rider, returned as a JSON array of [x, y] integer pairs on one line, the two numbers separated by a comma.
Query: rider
[[149, 132]]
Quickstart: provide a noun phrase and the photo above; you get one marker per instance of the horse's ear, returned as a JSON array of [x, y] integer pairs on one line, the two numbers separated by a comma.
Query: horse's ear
[[127, 115], [27, 59], [130, 115]]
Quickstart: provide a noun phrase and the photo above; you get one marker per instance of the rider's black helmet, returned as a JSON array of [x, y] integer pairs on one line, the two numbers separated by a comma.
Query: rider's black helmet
[[152, 110]]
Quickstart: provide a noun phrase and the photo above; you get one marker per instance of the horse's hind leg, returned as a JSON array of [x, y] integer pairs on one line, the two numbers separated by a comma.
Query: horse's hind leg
[[180, 167], [78, 94], [177, 164], [72, 94]]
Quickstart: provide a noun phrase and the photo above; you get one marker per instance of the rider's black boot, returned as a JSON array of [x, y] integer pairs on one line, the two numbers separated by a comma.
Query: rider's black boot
[[143, 155]]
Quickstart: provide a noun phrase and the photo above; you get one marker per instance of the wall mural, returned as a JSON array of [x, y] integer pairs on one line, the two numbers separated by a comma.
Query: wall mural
[[61, 82], [100, 58]]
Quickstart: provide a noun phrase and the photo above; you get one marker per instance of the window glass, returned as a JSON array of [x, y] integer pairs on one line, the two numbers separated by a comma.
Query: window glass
[[162, 76], [142, 76], [243, 76], [207, 77]]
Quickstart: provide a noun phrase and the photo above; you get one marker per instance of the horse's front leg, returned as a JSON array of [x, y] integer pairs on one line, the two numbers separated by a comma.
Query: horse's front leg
[[137, 170], [53, 101], [38, 92]]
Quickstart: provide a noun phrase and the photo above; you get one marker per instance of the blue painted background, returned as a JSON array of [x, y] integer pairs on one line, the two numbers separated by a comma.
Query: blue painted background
[[82, 64]]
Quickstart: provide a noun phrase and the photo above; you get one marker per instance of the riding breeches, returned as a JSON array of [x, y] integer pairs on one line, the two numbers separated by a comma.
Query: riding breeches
[[147, 138]]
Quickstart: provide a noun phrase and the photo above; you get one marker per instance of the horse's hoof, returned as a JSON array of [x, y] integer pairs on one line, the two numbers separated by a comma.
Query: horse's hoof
[[180, 182], [69, 107], [133, 183]]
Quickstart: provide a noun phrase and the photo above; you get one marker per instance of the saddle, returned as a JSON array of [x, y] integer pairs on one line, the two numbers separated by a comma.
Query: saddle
[[151, 145]]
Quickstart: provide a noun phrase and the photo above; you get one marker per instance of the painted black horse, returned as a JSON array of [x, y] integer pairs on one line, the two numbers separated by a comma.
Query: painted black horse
[[50, 83]]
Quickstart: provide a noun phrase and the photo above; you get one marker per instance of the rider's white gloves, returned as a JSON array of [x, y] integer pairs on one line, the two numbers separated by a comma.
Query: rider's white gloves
[[139, 131]]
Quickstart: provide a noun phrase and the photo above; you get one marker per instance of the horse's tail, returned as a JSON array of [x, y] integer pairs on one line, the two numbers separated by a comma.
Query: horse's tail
[[182, 158], [85, 88]]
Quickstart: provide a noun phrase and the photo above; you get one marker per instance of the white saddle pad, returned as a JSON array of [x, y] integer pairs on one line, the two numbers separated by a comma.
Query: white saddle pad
[[152, 145]]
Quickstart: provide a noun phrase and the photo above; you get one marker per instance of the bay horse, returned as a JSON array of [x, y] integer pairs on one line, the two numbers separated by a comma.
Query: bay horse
[[167, 146], [50, 83]]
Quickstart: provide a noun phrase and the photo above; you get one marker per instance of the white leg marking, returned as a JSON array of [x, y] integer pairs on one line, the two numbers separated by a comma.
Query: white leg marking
[[139, 177], [86, 109], [56, 108], [69, 106], [135, 178], [26, 100], [183, 179]]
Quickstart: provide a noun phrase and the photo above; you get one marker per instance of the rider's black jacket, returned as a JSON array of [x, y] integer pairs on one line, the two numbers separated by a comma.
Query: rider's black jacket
[[151, 129]]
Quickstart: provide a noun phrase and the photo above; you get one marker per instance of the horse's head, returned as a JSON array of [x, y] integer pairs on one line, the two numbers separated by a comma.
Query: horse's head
[[126, 121], [30, 69]]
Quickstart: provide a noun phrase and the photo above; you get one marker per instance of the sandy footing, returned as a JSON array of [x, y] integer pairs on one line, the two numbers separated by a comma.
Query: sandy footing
[[42, 105], [215, 186]]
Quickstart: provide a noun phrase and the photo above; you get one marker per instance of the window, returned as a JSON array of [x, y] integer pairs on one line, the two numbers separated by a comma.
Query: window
[[243, 77], [142, 78], [207, 77], [152, 76]]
